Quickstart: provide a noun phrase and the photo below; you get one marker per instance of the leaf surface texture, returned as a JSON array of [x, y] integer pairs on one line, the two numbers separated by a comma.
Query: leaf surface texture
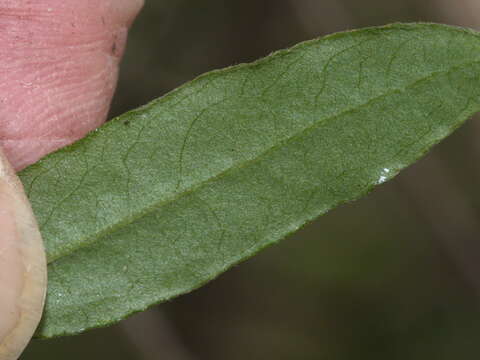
[[165, 198]]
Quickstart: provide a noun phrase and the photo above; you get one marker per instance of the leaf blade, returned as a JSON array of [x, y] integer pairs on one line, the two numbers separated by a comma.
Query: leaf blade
[[238, 159]]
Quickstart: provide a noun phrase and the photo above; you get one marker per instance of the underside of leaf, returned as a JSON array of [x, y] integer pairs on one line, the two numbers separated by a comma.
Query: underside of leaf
[[167, 197]]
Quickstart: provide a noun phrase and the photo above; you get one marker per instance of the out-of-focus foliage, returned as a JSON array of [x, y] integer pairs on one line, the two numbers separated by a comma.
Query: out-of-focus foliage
[[391, 276]]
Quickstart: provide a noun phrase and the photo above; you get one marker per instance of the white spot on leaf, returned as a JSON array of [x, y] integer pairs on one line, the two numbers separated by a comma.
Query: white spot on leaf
[[383, 176]]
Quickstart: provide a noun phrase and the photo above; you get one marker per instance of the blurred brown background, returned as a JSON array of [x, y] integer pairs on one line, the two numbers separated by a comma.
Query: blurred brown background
[[393, 276]]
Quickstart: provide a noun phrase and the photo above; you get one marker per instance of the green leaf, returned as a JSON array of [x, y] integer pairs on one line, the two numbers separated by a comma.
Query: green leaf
[[165, 198]]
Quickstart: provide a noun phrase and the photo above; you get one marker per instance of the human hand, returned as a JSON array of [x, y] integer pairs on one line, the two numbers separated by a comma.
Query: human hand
[[58, 71]]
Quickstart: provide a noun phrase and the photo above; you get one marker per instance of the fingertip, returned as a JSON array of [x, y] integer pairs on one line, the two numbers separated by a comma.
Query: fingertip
[[127, 10], [23, 266], [59, 68]]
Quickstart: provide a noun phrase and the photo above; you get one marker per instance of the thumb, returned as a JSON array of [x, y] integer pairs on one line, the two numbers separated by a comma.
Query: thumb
[[58, 69], [23, 277]]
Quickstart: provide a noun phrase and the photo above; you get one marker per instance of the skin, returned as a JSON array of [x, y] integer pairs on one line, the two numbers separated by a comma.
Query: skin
[[58, 68], [23, 275]]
